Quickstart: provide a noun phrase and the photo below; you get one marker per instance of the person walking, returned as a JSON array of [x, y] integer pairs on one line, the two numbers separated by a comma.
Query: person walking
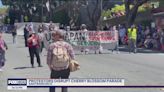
[[33, 44], [26, 34], [3, 48], [41, 36], [132, 37], [116, 37], [14, 33], [59, 66]]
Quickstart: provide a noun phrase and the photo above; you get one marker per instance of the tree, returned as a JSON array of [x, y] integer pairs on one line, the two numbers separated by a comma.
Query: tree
[[73, 11], [35, 9], [131, 12], [94, 11]]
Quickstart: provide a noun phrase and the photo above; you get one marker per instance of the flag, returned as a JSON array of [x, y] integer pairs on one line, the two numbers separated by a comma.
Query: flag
[[48, 5]]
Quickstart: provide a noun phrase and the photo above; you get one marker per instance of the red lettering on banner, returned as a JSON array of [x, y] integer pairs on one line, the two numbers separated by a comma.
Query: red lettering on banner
[[94, 38], [106, 38]]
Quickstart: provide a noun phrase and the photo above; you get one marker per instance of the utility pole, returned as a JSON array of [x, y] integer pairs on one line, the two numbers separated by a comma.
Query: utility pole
[[42, 12], [101, 18], [50, 10]]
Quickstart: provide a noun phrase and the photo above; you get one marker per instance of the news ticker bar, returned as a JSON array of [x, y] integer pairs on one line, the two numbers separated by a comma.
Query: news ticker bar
[[23, 84]]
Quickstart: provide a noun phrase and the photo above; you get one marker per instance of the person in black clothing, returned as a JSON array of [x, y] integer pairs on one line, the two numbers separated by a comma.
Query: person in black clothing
[[26, 35], [14, 33]]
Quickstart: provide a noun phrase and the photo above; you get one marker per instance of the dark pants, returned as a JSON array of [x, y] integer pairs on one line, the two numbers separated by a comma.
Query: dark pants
[[14, 39], [63, 74], [132, 46], [34, 51], [25, 38]]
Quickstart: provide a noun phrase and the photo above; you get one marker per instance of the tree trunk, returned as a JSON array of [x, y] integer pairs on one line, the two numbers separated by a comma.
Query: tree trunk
[[132, 13], [132, 16]]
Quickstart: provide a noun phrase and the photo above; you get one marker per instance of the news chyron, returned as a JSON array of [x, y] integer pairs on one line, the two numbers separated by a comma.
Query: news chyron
[[16, 84], [23, 84]]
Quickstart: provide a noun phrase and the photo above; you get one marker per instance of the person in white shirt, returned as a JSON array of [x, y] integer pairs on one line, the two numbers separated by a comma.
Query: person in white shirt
[[84, 38]]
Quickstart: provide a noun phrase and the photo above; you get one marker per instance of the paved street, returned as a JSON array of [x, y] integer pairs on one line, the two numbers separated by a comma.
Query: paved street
[[137, 69]]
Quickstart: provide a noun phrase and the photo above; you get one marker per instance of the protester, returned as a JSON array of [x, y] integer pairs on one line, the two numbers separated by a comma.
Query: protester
[[51, 26], [47, 36], [116, 37], [84, 38], [41, 36], [3, 48], [14, 33], [31, 27], [26, 35], [33, 44], [132, 37], [59, 68]]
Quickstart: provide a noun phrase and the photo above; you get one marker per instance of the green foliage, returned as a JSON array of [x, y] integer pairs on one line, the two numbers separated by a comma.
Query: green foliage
[[106, 13], [61, 17], [141, 9], [118, 8], [3, 10]]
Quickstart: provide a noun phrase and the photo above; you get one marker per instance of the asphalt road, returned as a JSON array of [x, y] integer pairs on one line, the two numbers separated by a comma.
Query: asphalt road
[[141, 69]]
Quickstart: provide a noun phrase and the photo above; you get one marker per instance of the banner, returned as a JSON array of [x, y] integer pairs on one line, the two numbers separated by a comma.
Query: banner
[[91, 40]]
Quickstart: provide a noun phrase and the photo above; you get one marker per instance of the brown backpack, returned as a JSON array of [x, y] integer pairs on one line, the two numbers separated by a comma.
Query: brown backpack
[[60, 57]]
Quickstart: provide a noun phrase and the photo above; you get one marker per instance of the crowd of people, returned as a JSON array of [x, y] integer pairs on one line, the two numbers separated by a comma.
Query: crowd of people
[[55, 44], [146, 36], [57, 49]]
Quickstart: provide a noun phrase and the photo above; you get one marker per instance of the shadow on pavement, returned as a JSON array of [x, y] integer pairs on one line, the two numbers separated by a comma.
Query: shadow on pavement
[[21, 68]]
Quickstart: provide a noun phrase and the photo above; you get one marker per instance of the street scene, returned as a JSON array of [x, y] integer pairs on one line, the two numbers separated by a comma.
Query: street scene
[[82, 39]]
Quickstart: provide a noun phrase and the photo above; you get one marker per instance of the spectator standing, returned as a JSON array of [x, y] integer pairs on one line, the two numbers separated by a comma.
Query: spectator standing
[[122, 34]]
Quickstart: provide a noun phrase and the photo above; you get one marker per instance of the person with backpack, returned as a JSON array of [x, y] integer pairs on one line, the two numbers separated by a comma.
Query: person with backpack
[[3, 48], [33, 44], [58, 56]]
